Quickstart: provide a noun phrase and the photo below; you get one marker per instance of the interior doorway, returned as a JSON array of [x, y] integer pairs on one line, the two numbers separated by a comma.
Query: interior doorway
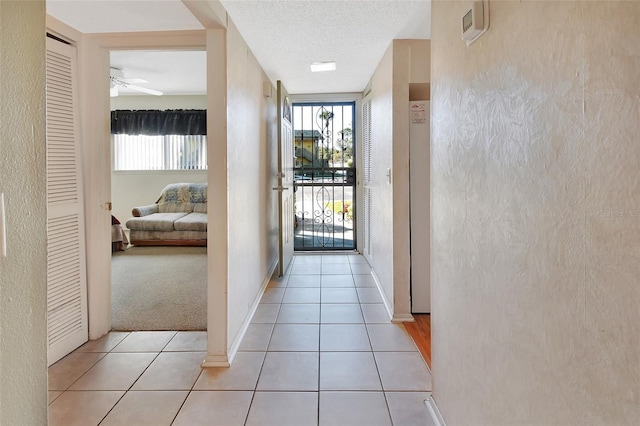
[[325, 176], [158, 150]]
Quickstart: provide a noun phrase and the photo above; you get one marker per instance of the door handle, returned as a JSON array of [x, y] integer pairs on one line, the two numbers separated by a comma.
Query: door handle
[[280, 188]]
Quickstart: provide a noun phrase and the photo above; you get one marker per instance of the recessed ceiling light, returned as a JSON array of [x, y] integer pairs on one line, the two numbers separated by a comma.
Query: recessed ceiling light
[[323, 66]]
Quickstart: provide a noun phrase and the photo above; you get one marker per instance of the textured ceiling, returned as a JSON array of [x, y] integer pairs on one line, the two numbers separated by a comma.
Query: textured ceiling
[[285, 36]]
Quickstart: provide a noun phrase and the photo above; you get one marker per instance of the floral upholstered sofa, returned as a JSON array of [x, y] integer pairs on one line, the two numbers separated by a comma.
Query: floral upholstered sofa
[[178, 218]]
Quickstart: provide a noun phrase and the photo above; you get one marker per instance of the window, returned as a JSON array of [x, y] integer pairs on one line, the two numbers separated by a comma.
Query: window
[[168, 152], [159, 140]]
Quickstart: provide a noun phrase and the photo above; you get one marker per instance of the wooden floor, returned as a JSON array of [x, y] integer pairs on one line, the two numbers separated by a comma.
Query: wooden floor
[[420, 331]]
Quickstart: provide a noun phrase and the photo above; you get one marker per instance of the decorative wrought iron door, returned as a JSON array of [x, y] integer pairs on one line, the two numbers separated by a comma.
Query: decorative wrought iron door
[[324, 176]]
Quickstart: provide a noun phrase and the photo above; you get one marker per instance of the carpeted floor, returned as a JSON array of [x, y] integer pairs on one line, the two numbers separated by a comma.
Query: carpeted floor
[[159, 288]]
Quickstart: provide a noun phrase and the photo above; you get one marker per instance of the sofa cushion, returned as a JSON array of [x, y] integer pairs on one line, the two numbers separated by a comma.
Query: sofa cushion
[[200, 208], [184, 193], [191, 222], [175, 207], [155, 222]]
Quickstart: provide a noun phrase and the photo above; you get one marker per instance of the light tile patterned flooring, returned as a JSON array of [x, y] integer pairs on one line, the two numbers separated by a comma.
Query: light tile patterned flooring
[[320, 351]]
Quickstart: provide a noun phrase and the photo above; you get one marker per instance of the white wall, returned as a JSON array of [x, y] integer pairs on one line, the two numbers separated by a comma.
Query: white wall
[[130, 189], [405, 62], [252, 167], [159, 102], [23, 281], [535, 215]]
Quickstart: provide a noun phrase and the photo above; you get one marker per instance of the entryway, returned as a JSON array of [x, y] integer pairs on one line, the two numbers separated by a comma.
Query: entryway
[[324, 176]]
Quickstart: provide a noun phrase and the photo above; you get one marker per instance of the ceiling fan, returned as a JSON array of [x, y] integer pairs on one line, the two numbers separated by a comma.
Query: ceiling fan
[[117, 79]]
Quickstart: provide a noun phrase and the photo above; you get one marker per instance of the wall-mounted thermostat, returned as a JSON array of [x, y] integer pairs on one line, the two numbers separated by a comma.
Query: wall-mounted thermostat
[[475, 21]]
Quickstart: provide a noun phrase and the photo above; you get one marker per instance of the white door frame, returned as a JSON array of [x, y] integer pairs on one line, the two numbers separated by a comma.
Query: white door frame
[[94, 68]]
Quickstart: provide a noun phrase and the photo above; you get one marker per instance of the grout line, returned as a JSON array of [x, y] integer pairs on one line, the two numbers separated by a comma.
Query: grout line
[[182, 405], [143, 371], [169, 341], [386, 401], [253, 396], [111, 409], [104, 354]]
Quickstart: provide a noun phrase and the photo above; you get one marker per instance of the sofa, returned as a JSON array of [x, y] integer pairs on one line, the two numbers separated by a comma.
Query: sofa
[[178, 218]]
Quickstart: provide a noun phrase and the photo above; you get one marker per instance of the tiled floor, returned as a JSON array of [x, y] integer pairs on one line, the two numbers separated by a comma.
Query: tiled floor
[[320, 351]]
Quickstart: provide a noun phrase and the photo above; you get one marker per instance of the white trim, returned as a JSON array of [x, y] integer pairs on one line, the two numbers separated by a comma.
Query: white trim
[[403, 318], [327, 97], [218, 219], [211, 14], [233, 349], [95, 103], [215, 361], [436, 416], [387, 305], [151, 40], [62, 30]]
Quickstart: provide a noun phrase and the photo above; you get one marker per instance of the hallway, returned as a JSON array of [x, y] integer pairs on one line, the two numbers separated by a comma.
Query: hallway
[[320, 351]]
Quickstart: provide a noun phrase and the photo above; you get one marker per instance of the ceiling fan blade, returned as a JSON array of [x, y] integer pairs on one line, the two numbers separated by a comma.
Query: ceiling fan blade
[[118, 74], [134, 80], [144, 90], [123, 82]]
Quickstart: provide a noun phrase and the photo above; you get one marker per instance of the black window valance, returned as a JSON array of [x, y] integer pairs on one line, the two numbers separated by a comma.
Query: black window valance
[[157, 123]]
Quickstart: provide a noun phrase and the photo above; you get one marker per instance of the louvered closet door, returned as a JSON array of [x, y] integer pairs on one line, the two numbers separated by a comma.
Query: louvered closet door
[[66, 272], [366, 166]]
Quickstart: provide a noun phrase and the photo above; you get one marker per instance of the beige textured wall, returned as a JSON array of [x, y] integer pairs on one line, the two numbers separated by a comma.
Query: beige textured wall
[[23, 350], [536, 215], [251, 159]]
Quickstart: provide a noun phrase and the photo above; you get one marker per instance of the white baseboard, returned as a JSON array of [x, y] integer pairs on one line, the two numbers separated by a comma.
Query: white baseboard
[[386, 303], [403, 318], [216, 361], [233, 349], [436, 416]]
